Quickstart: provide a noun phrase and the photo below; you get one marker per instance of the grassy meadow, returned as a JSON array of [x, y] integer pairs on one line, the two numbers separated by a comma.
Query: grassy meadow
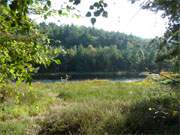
[[97, 107]]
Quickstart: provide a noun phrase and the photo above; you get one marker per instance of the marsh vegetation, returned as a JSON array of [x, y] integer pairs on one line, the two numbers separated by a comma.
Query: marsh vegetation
[[91, 107]]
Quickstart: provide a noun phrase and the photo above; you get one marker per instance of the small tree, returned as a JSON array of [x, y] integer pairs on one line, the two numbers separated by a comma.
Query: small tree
[[169, 47]]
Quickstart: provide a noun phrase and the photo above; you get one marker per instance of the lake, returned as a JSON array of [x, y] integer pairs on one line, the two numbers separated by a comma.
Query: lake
[[114, 76]]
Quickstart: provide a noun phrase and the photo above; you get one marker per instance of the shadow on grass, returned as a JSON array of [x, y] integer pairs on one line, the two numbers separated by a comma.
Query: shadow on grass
[[160, 115]]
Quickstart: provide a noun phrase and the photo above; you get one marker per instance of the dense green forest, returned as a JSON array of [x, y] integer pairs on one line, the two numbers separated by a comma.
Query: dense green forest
[[95, 50]]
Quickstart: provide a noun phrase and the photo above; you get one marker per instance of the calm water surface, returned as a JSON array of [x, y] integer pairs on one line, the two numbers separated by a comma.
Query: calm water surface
[[118, 77]]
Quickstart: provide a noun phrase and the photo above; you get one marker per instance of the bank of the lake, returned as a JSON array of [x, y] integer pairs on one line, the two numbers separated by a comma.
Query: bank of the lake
[[95, 107], [76, 76]]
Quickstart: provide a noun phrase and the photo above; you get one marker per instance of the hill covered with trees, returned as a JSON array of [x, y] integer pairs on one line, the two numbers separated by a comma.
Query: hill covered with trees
[[95, 50]]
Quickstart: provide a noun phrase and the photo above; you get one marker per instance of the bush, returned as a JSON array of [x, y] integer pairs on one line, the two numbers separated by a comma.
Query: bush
[[12, 93], [156, 115], [76, 121]]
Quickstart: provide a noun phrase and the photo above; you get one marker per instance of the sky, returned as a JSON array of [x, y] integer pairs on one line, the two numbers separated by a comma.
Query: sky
[[122, 17]]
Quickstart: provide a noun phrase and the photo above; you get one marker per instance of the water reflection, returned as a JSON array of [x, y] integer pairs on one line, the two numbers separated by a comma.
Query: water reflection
[[118, 76]]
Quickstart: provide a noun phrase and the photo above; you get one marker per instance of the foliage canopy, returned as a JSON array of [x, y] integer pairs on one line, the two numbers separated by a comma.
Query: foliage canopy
[[22, 45]]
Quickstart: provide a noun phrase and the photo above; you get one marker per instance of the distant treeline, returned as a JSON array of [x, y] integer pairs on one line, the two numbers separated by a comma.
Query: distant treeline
[[94, 50]]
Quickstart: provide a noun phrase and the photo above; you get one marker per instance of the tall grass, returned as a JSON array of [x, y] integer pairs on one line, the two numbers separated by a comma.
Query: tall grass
[[97, 107], [18, 104], [105, 107]]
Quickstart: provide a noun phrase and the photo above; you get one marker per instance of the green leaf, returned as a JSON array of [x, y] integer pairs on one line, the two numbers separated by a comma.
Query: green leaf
[[105, 14], [45, 8], [97, 13], [45, 16], [91, 7], [57, 61], [59, 12], [96, 4], [88, 14], [105, 4], [49, 3], [76, 2], [93, 21]]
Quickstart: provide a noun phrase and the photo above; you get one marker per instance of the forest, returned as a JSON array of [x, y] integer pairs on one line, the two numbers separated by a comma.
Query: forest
[[94, 50], [91, 106]]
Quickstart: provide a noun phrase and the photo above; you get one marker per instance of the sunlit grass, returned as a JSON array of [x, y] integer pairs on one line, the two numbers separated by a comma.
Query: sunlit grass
[[84, 107]]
